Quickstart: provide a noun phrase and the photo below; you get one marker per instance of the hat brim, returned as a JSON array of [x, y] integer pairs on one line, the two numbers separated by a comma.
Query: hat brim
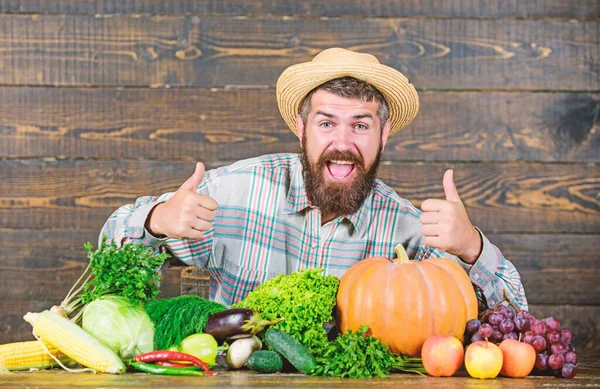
[[298, 80]]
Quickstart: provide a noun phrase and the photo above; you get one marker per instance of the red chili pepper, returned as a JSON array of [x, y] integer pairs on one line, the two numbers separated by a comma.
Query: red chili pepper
[[172, 364], [165, 355]]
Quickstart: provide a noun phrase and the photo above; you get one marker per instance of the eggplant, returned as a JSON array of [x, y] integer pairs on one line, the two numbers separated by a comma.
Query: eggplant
[[235, 323]]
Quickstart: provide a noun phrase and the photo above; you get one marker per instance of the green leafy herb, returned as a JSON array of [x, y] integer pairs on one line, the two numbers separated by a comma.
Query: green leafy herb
[[360, 355], [178, 317], [305, 300], [129, 271]]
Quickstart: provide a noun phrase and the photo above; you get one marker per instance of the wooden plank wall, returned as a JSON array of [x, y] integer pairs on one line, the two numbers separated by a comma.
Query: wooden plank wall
[[102, 101]]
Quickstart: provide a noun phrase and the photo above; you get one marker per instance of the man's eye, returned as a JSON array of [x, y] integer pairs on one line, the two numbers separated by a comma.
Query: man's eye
[[361, 127], [326, 124]]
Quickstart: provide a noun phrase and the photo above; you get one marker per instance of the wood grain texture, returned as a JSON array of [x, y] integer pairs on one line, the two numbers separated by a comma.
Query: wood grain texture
[[226, 124], [554, 269], [575, 9], [587, 377], [212, 51], [52, 250], [526, 198], [532, 198]]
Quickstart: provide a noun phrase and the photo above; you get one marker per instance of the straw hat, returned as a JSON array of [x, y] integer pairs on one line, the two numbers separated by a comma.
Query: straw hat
[[298, 80]]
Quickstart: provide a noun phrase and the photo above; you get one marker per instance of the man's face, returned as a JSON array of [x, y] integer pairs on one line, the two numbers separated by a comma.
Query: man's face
[[341, 147]]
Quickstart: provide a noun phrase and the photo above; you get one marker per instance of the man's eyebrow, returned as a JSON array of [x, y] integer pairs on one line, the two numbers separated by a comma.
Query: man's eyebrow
[[329, 115], [363, 115]]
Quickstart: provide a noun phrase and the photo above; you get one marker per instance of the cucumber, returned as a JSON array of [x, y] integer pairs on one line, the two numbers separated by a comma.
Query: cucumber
[[265, 361], [291, 349]]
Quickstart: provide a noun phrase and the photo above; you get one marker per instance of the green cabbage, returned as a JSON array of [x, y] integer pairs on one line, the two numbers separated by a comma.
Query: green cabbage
[[123, 327]]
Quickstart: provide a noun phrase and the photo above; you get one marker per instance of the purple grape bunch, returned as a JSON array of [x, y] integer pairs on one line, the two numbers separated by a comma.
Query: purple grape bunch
[[552, 344]]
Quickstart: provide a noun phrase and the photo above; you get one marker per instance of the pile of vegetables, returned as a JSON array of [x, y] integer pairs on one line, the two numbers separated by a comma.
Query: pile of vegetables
[[304, 299], [281, 325], [101, 321]]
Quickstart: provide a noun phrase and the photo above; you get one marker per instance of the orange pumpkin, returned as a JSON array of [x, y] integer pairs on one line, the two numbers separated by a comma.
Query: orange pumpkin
[[405, 301]]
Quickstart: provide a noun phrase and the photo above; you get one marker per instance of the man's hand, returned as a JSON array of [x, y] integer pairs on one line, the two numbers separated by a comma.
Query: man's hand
[[185, 215], [446, 224]]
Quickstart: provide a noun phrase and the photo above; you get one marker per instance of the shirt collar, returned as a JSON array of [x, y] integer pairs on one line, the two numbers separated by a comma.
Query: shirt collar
[[297, 200], [360, 217]]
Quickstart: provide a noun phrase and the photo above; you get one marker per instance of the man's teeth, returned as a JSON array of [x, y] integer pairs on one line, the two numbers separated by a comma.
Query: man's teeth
[[342, 162]]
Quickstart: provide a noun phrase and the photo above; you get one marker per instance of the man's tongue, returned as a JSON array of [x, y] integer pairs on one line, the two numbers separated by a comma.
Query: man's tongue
[[339, 170]]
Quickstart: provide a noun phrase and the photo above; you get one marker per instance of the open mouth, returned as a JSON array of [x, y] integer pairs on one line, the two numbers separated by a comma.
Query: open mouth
[[340, 170]]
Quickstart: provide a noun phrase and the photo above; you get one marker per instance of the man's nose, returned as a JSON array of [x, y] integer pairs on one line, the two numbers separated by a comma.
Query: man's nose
[[343, 139]]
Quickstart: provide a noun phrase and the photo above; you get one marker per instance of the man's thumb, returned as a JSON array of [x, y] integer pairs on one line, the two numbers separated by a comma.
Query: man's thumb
[[195, 180], [449, 187]]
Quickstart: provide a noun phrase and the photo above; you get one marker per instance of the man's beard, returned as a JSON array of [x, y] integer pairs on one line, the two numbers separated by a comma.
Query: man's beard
[[333, 198]]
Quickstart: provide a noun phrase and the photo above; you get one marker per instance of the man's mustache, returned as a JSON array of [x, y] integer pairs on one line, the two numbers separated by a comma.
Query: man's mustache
[[337, 155]]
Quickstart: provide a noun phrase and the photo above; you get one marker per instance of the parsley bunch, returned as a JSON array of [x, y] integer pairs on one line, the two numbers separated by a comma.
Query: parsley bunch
[[360, 355], [305, 300], [129, 271]]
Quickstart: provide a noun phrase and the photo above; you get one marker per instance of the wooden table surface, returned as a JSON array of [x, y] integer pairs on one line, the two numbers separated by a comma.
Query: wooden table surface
[[589, 376]]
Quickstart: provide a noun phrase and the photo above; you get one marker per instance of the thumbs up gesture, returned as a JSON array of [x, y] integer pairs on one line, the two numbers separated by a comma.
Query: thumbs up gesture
[[446, 225], [185, 215]]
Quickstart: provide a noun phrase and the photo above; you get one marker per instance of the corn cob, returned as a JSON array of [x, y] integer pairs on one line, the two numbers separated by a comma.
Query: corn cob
[[28, 355], [74, 342]]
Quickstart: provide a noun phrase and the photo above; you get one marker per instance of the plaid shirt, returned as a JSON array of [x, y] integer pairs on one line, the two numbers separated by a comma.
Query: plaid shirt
[[265, 226]]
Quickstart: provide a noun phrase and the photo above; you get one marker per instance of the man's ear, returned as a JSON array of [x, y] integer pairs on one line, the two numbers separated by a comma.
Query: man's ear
[[385, 133], [300, 128]]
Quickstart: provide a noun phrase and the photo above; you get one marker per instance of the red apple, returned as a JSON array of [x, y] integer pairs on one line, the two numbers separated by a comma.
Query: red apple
[[483, 359], [442, 355], [518, 358]]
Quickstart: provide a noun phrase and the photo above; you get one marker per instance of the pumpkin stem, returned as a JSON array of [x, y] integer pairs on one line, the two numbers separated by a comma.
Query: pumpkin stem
[[401, 254]]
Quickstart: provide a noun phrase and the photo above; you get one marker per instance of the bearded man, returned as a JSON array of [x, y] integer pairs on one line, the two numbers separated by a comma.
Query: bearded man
[[324, 207]]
